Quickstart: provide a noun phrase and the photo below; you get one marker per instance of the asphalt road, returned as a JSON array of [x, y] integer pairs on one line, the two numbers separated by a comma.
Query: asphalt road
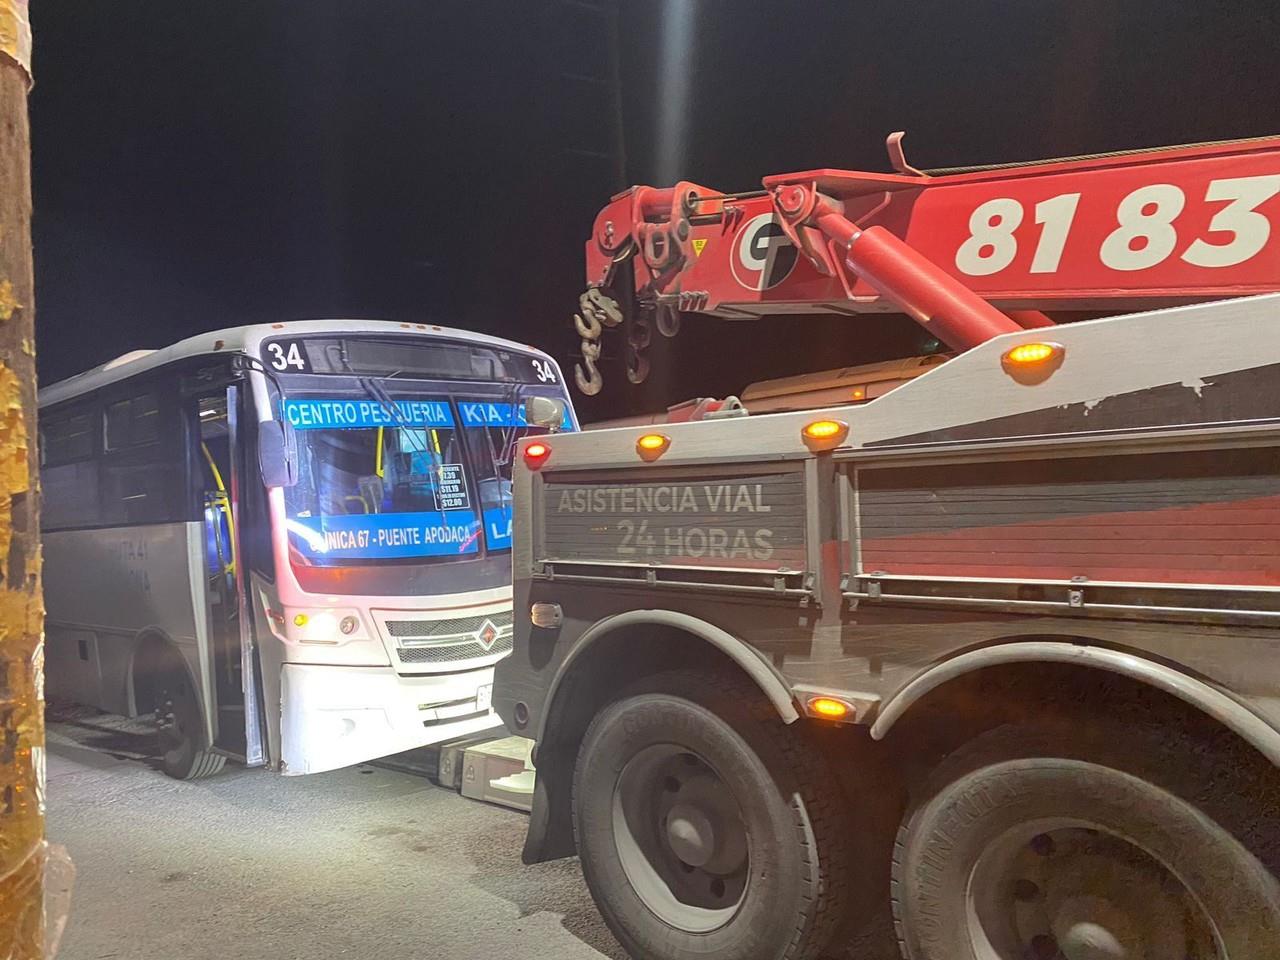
[[361, 863]]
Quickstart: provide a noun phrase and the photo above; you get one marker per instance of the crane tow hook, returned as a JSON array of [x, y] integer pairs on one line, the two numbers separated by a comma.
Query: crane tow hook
[[597, 311]]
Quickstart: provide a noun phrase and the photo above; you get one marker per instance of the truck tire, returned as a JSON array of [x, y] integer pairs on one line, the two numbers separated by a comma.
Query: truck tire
[[1039, 841], [180, 728], [706, 827]]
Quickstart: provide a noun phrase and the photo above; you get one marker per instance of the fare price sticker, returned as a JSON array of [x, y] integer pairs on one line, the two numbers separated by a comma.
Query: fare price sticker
[[451, 488]]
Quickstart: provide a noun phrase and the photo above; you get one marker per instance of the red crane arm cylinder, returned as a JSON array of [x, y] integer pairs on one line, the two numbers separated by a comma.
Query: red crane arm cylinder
[[929, 295]]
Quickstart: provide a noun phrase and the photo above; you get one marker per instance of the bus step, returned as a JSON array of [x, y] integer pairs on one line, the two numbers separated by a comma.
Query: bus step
[[500, 772]]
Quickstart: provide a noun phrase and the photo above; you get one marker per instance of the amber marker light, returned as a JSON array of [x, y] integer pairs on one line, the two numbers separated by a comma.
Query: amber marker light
[[536, 454], [652, 445], [829, 708], [546, 615], [819, 435], [1032, 363]]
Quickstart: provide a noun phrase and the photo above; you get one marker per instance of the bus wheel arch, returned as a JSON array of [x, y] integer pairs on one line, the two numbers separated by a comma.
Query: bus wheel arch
[[153, 652], [608, 657], [161, 682], [1078, 657]]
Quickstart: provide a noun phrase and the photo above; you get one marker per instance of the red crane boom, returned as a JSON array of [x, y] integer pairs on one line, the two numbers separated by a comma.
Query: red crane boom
[[969, 254]]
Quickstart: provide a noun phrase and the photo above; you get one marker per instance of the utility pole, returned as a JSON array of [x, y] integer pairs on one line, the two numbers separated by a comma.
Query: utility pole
[[22, 847]]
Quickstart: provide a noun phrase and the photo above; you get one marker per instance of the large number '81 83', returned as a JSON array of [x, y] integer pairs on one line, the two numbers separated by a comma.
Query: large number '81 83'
[[1145, 234]]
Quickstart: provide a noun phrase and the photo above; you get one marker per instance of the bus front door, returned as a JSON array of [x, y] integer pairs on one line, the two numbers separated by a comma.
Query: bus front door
[[247, 507], [235, 687]]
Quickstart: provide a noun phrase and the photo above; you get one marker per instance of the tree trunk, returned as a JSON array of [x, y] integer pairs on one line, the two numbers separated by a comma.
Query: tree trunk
[[22, 849]]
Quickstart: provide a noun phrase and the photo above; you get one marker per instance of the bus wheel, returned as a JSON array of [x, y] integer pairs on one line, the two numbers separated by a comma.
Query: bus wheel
[[1041, 843], [706, 827], [180, 729]]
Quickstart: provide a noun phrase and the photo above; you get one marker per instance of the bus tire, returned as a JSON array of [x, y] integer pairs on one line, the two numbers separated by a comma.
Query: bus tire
[[181, 729], [1041, 840], [706, 827]]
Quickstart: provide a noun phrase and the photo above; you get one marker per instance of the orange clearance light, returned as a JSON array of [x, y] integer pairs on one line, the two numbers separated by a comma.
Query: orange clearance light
[[1032, 363], [535, 455], [819, 435], [829, 707], [652, 445]]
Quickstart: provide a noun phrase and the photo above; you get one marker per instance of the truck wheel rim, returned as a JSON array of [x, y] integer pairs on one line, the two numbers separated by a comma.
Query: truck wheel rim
[[1068, 890], [680, 838]]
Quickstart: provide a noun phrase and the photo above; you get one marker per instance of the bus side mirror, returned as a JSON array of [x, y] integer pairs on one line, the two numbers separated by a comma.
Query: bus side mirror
[[547, 412], [277, 454]]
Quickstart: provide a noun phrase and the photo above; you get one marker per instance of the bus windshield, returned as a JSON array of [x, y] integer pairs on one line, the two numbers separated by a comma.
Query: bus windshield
[[405, 451], [380, 481], [428, 478]]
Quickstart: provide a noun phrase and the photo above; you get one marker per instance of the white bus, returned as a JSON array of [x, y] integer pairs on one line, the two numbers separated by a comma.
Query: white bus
[[289, 542]]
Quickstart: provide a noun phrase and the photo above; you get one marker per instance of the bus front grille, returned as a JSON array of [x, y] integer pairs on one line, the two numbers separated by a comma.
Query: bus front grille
[[446, 629], [453, 652]]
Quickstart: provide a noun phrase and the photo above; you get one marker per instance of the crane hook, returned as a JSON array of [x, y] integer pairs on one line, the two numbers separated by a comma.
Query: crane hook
[[598, 310], [589, 382]]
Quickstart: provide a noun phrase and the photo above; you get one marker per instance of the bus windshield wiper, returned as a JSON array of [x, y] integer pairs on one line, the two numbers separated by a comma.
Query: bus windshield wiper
[[378, 392], [374, 388]]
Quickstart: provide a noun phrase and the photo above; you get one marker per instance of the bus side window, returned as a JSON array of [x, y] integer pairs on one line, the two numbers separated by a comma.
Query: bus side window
[[132, 422], [144, 464], [69, 472]]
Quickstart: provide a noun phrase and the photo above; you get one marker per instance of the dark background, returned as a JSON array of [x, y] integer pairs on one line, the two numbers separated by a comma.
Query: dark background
[[211, 163]]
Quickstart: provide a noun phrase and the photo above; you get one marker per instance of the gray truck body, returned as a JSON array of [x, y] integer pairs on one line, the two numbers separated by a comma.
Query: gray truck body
[[1122, 515]]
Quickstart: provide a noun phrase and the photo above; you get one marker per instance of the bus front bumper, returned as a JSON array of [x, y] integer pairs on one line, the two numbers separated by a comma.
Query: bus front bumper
[[333, 716]]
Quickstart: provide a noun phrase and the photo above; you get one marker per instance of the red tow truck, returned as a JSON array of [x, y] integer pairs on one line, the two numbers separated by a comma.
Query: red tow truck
[[985, 660]]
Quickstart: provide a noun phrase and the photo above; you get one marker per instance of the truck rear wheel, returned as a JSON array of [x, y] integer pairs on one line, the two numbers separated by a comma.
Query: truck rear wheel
[[707, 828], [1041, 843]]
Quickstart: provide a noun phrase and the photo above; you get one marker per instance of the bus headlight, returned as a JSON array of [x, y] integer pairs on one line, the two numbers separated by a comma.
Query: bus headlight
[[321, 628], [324, 626]]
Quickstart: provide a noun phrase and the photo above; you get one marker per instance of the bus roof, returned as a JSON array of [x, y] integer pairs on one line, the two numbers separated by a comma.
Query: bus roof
[[247, 339]]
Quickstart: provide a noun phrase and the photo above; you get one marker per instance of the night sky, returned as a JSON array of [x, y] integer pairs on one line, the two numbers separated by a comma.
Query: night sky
[[202, 164]]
